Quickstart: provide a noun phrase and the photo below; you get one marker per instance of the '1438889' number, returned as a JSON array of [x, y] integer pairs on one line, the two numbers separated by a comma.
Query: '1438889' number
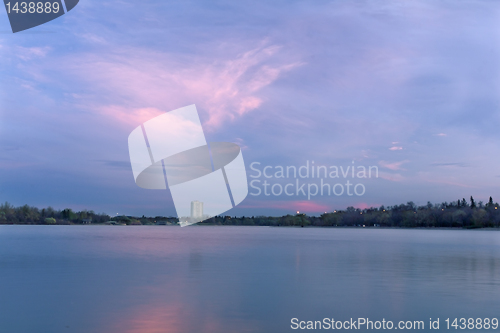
[[33, 7], [471, 323]]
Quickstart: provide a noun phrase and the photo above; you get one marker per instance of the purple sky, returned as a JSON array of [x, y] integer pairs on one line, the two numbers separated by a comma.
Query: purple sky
[[411, 87]]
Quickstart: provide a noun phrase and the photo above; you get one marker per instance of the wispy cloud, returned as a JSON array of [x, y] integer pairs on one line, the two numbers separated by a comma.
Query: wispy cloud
[[393, 165], [29, 53], [452, 164], [393, 177], [132, 116], [292, 206], [148, 82], [364, 205], [92, 38], [447, 182], [116, 164], [240, 142]]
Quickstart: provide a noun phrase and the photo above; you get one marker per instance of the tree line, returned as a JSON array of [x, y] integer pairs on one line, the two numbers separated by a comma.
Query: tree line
[[455, 214], [33, 215]]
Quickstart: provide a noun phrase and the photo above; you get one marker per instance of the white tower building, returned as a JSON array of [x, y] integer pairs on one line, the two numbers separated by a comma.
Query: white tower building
[[196, 209]]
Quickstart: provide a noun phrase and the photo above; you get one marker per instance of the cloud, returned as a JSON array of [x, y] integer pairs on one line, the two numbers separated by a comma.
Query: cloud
[[364, 205], [456, 164], [29, 53], [132, 116], [240, 142], [393, 165], [393, 177], [396, 148], [447, 182], [14, 165], [142, 83], [92, 38], [302, 206], [116, 164]]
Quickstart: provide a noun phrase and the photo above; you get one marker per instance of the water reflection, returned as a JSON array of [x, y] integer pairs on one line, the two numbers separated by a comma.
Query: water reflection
[[156, 318], [237, 279]]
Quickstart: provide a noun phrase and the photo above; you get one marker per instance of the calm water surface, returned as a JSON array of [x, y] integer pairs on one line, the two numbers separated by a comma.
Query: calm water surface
[[239, 279]]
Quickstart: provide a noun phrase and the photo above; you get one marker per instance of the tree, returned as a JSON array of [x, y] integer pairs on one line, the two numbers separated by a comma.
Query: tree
[[479, 217], [472, 202], [490, 202], [458, 217], [50, 220]]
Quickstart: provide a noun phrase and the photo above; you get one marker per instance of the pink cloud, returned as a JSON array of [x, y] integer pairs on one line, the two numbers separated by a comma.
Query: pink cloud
[[140, 82], [396, 148], [304, 206], [294, 206], [393, 165], [240, 142], [363, 205], [133, 117]]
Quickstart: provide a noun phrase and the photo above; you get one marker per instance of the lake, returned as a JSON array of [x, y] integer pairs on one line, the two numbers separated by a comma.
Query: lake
[[128, 279]]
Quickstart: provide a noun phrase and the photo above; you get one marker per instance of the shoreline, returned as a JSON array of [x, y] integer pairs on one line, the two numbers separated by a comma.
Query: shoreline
[[262, 226]]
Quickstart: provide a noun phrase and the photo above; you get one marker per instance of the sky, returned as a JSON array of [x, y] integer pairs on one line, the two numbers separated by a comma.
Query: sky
[[412, 88]]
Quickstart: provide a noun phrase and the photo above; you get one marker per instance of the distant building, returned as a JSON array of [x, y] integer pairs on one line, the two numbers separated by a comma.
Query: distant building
[[196, 209], [87, 221]]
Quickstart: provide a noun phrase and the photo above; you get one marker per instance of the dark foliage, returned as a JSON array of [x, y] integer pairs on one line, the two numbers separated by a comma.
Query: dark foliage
[[33, 215], [456, 214]]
